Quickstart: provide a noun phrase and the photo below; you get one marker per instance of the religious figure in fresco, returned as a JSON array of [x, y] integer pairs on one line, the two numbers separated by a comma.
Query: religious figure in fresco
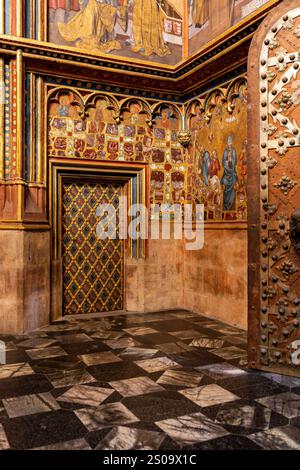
[[99, 110], [232, 5], [148, 29], [91, 27], [200, 12], [135, 109], [217, 16], [63, 109], [64, 106], [229, 178], [242, 166], [214, 202], [167, 120], [205, 166], [214, 166]]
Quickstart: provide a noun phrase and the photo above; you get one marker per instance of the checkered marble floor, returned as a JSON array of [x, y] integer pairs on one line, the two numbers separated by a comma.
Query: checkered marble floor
[[165, 380]]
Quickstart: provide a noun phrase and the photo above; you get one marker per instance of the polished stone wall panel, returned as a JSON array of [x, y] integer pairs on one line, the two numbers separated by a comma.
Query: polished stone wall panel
[[25, 277], [215, 278]]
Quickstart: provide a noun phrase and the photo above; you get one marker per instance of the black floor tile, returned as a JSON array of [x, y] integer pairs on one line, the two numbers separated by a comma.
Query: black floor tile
[[247, 380], [94, 437], [231, 442], [117, 371], [170, 325], [43, 429], [169, 444], [49, 366], [156, 338], [15, 357], [296, 422], [26, 385], [85, 348], [254, 391], [158, 406], [196, 358], [244, 417]]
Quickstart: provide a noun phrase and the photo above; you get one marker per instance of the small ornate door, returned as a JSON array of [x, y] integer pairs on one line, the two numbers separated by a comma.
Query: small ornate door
[[92, 268], [274, 192]]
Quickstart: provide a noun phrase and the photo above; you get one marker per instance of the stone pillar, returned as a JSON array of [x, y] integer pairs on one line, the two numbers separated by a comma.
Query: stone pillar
[[24, 229]]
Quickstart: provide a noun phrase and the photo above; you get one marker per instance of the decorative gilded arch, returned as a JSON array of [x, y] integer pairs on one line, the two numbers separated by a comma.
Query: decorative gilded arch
[[237, 88], [227, 95], [111, 104], [137, 106], [75, 97], [176, 112], [194, 106], [212, 100]]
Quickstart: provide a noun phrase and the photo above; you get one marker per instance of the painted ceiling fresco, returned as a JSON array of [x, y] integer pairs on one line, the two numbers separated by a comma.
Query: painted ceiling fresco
[[151, 30]]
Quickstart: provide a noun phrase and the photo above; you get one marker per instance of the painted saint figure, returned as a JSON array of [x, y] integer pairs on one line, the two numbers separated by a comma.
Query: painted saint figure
[[205, 167], [200, 12], [148, 29], [64, 106], [93, 24], [242, 166], [229, 178], [214, 166]]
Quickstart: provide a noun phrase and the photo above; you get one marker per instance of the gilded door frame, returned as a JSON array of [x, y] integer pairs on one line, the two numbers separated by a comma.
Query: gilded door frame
[[136, 182]]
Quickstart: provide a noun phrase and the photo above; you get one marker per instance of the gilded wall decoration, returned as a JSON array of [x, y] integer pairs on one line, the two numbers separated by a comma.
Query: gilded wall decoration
[[138, 29], [210, 18], [212, 170], [217, 170], [7, 119], [98, 127], [8, 141]]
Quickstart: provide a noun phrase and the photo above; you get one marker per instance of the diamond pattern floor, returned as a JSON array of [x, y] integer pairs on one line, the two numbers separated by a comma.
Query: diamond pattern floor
[[165, 380]]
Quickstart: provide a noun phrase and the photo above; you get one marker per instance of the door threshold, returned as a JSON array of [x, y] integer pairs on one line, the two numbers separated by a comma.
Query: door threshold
[[82, 316], [88, 316]]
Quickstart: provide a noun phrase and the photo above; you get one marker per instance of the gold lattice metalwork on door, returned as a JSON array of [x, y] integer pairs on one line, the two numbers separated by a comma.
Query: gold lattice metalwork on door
[[92, 268]]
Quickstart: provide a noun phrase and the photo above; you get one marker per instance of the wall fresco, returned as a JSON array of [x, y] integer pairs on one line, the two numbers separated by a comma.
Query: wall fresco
[[217, 157], [139, 29], [210, 18], [212, 171]]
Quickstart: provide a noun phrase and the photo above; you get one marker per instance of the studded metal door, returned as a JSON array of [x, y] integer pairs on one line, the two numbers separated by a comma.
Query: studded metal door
[[92, 268], [274, 193]]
